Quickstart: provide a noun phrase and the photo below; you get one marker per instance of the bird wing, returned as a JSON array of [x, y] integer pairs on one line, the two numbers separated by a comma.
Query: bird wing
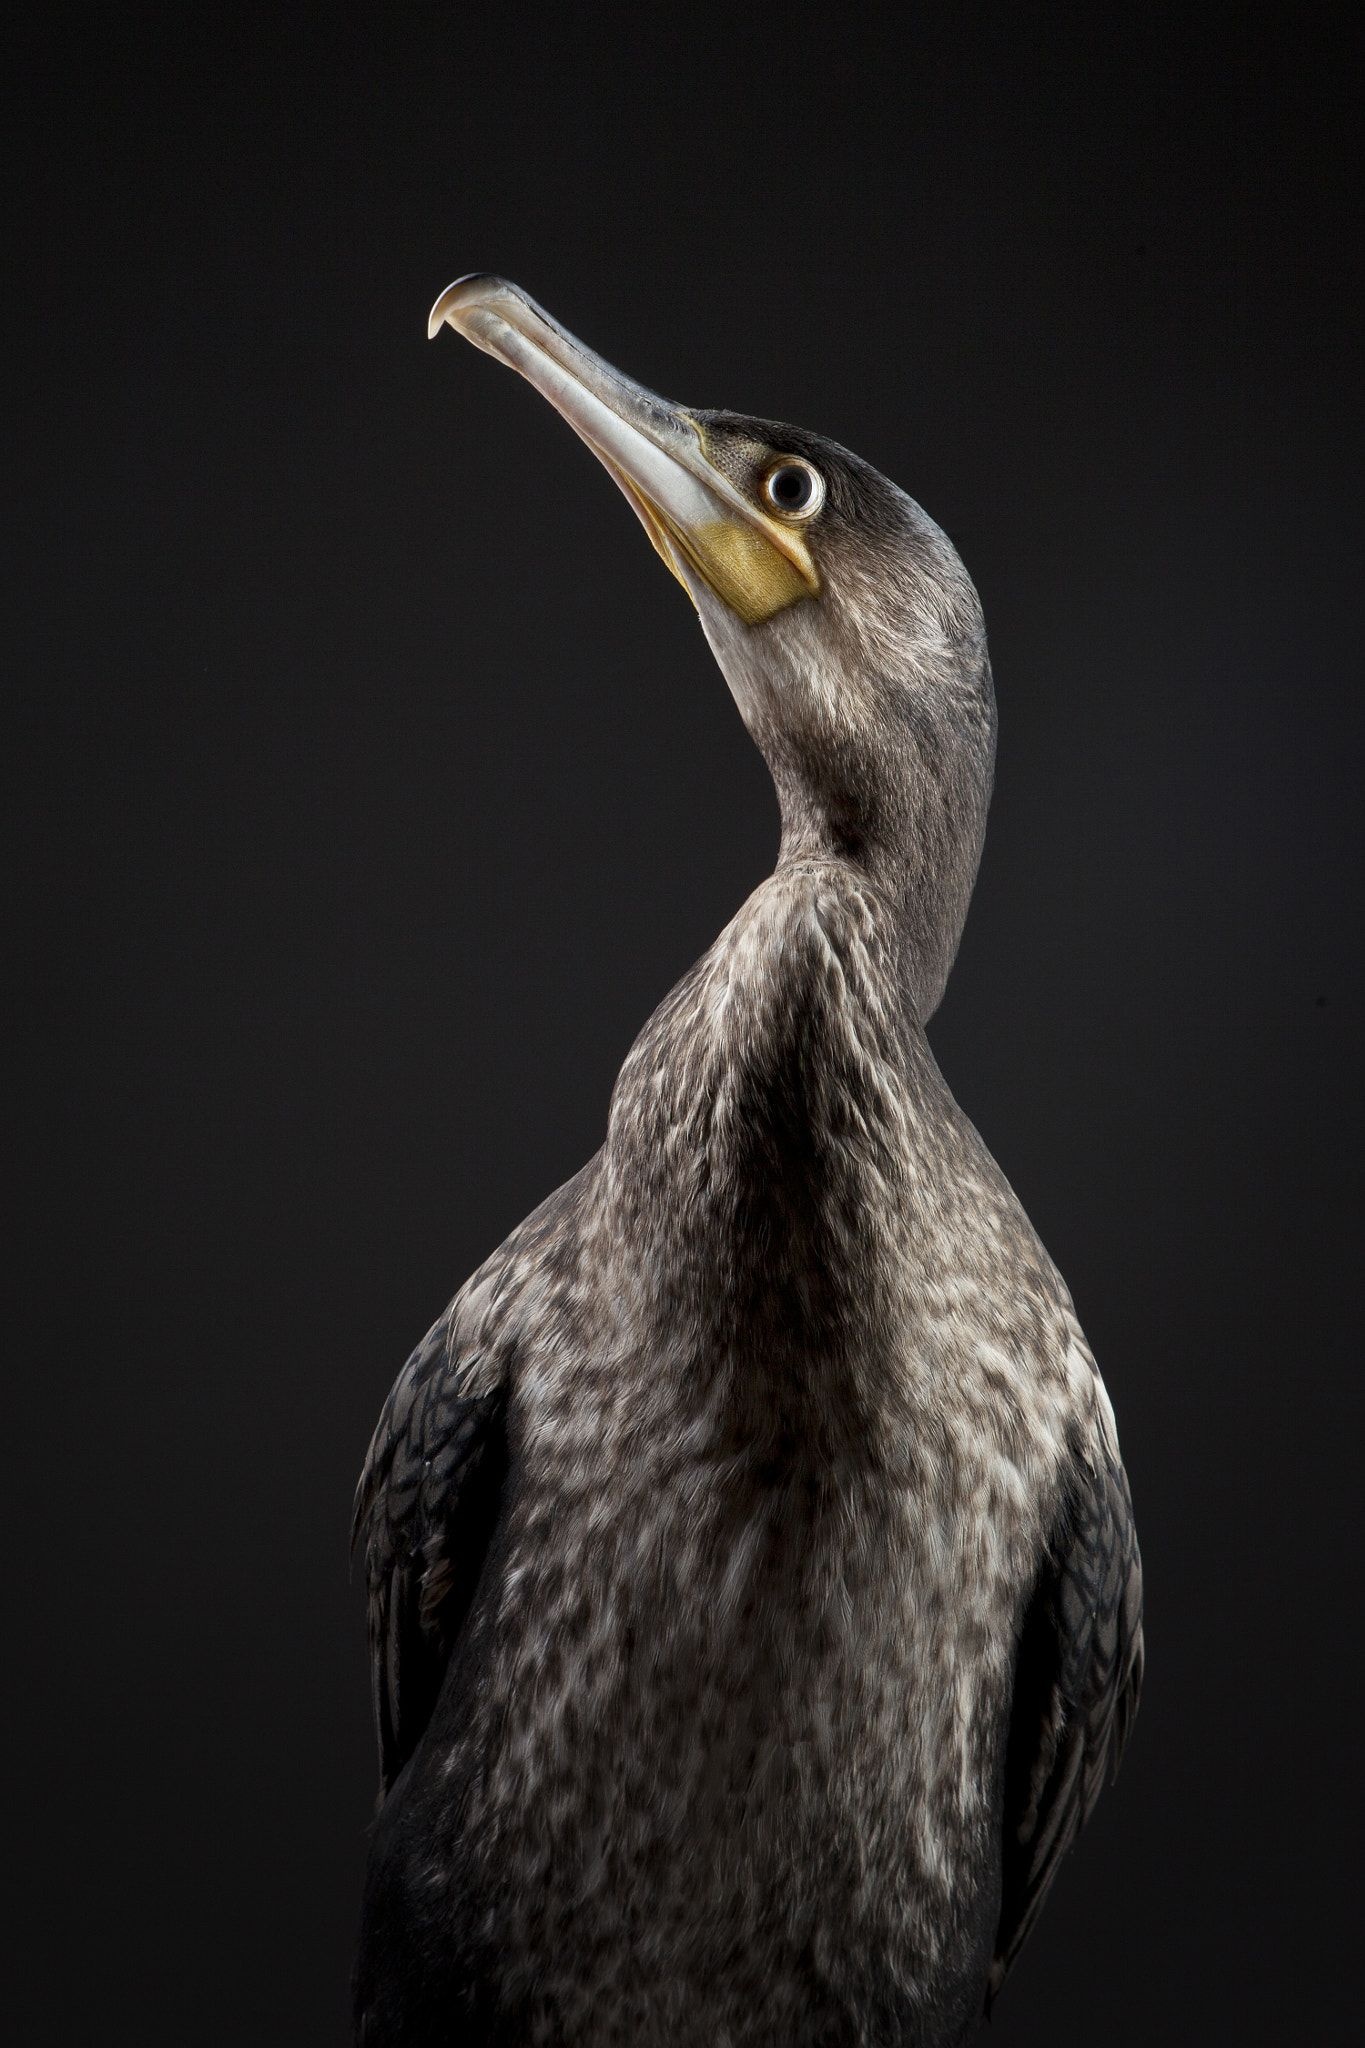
[[429, 1495], [424, 1510], [1077, 1679]]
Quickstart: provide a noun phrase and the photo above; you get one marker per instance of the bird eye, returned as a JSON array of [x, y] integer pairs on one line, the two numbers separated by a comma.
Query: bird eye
[[794, 489]]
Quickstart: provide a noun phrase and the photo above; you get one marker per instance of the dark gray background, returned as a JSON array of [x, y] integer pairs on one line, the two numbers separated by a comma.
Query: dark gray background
[[373, 782]]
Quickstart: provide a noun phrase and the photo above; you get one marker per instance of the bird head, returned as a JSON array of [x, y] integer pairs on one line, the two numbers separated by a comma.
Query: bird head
[[840, 615]]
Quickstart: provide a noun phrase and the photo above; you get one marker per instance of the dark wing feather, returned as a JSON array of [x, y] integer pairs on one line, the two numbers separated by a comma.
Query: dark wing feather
[[1078, 1676], [425, 1509], [429, 1495]]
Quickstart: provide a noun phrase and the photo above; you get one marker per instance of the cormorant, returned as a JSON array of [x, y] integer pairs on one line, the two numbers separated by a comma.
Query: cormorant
[[754, 1600]]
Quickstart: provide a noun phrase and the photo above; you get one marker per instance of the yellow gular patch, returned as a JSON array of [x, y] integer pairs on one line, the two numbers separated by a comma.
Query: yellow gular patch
[[746, 570]]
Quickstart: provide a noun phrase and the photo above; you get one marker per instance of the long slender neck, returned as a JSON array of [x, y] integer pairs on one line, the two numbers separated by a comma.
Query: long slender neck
[[760, 1147], [803, 990], [913, 837], [882, 751]]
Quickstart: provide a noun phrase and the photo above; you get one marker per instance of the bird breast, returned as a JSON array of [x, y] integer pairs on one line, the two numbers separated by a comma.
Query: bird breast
[[788, 1430]]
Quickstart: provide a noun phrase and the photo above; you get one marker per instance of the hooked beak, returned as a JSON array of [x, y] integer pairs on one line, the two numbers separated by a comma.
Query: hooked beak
[[700, 522]]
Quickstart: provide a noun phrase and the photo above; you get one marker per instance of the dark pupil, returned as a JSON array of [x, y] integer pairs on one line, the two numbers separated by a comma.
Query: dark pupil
[[790, 487]]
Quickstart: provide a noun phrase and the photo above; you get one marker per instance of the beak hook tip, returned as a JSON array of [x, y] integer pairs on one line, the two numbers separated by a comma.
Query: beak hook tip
[[475, 284], [436, 318]]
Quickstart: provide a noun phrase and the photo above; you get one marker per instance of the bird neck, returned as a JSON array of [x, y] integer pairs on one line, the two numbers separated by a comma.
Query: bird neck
[[911, 850], [761, 1147]]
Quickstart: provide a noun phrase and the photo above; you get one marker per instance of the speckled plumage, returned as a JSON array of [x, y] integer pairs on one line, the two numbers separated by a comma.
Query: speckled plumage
[[754, 1601]]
